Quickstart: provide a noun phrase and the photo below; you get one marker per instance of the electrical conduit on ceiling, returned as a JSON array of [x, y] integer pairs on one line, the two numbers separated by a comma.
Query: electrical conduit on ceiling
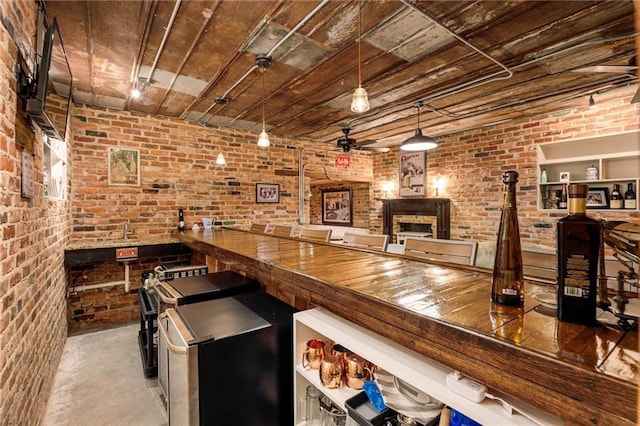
[[462, 88], [269, 53], [167, 31]]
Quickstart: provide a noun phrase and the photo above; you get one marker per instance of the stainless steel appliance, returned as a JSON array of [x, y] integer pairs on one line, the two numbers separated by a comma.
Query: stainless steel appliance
[[183, 291], [228, 361]]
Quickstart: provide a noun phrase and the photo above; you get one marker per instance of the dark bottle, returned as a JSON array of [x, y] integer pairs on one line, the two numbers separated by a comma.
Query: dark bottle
[[578, 248], [616, 197], [507, 284], [630, 198], [562, 201], [181, 225]]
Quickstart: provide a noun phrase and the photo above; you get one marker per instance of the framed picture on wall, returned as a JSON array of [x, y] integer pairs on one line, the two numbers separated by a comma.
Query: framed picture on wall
[[124, 166], [412, 174], [337, 207], [267, 193]]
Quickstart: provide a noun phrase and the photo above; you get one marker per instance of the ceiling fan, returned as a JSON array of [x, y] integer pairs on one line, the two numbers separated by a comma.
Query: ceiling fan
[[631, 69], [347, 144]]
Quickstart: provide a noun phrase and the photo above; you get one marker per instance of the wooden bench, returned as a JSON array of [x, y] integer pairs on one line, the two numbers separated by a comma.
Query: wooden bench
[[258, 228], [315, 234], [461, 252], [370, 241], [540, 264], [283, 230]]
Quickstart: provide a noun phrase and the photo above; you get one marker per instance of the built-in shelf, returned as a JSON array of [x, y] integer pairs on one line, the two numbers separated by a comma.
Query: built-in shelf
[[424, 374], [617, 158]]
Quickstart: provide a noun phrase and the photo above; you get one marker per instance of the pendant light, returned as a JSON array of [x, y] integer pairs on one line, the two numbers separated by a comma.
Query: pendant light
[[263, 62], [220, 160], [418, 142], [360, 101], [592, 103]]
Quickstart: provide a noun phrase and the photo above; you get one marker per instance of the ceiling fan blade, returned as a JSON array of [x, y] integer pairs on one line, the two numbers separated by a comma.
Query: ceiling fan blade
[[636, 97], [607, 68], [367, 142], [376, 149]]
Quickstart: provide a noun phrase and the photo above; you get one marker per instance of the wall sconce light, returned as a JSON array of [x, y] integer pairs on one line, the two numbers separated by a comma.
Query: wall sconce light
[[439, 185], [388, 188]]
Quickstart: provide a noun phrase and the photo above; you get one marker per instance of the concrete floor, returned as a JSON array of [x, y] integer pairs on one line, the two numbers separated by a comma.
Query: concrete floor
[[100, 381]]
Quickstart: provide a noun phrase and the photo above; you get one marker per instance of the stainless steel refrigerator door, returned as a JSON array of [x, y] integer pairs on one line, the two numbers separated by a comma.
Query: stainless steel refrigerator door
[[178, 369]]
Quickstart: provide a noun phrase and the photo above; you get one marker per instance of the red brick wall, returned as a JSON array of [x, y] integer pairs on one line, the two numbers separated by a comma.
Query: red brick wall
[[178, 170], [34, 232], [360, 201], [472, 163]]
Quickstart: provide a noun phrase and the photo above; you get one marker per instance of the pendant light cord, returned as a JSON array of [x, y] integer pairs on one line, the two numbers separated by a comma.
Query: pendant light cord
[[359, 42], [263, 124]]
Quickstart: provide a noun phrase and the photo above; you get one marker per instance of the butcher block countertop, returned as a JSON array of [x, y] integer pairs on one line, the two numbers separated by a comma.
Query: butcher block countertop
[[583, 375]]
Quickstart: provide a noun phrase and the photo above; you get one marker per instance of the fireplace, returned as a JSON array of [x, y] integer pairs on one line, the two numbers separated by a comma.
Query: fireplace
[[438, 207]]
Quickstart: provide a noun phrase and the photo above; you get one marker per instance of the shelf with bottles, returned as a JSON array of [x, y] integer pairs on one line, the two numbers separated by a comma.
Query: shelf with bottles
[[422, 373], [550, 192], [600, 161]]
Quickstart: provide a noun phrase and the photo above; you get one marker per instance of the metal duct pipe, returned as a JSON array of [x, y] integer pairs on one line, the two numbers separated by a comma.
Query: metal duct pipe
[[301, 170]]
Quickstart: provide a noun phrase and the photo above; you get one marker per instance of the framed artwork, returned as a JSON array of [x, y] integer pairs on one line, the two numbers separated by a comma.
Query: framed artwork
[[598, 198], [337, 207], [564, 176], [267, 193], [412, 174], [124, 166]]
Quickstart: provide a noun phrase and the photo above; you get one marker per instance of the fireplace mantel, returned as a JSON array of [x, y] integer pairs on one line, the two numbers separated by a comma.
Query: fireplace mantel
[[439, 207]]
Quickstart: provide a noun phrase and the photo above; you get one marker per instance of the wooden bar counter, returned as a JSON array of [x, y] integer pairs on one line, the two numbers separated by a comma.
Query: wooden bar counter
[[583, 375]]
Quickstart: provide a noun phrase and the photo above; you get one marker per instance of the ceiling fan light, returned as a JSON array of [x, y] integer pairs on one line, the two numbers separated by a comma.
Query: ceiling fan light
[[263, 139], [360, 101], [220, 160], [418, 142]]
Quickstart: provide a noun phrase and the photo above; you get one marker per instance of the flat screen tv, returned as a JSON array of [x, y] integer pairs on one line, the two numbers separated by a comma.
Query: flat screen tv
[[49, 106]]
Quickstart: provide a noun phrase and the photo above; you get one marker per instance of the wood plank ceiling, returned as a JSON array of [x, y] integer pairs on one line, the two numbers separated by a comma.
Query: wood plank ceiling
[[472, 62]]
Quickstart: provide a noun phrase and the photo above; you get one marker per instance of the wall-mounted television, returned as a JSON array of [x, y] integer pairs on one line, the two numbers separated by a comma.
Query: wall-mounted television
[[49, 102]]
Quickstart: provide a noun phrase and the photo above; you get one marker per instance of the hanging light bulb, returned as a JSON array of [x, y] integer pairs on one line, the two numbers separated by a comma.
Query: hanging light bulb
[[220, 160], [592, 103], [418, 142], [360, 101], [263, 138]]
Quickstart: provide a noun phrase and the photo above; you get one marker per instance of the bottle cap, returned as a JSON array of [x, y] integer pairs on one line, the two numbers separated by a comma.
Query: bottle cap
[[510, 176], [578, 190]]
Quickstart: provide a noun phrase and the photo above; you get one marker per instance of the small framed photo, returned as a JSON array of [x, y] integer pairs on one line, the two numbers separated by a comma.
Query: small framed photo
[[598, 198], [564, 176], [267, 193], [124, 166]]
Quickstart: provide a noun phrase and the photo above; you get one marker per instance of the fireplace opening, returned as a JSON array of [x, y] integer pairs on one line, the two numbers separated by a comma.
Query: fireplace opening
[[414, 230]]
